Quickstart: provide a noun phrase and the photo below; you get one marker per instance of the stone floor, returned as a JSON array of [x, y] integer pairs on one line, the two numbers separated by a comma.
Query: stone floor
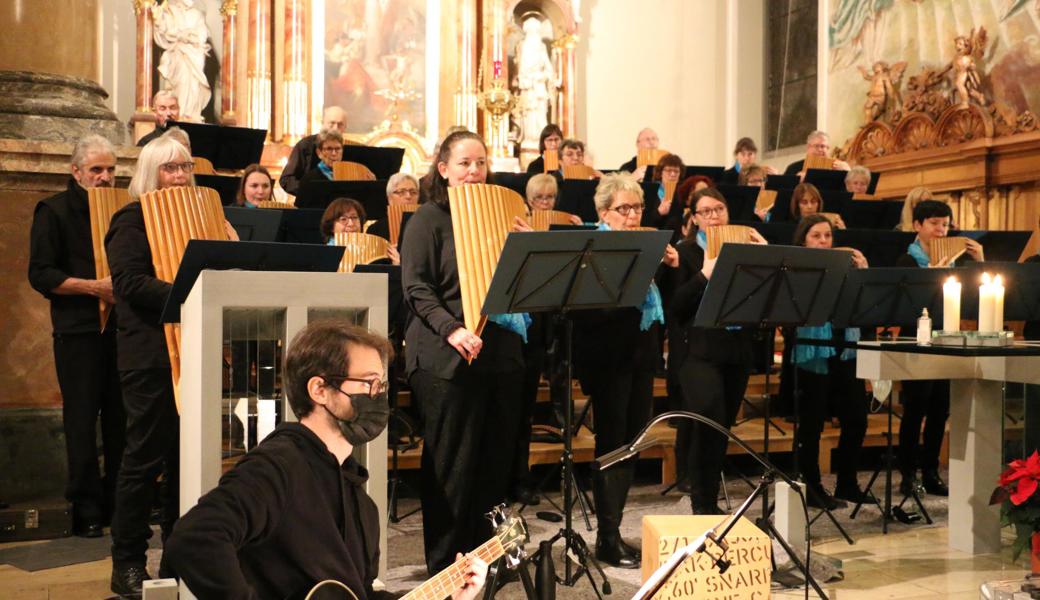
[[909, 562]]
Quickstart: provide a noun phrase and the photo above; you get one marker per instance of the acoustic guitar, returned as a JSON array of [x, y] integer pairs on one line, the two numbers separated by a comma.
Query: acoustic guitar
[[508, 541]]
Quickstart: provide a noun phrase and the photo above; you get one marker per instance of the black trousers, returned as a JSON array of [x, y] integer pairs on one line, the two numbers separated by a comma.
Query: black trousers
[[713, 390], [152, 436], [622, 403], [927, 401], [471, 425], [89, 383], [839, 393], [534, 358]]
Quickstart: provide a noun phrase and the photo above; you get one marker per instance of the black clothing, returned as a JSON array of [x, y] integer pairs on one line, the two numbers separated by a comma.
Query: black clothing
[[302, 159], [140, 296], [158, 131], [795, 168], [537, 165], [470, 411], [729, 177], [60, 247], [630, 166], [314, 174], [539, 337], [380, 228], [152, 436], [286, 517]]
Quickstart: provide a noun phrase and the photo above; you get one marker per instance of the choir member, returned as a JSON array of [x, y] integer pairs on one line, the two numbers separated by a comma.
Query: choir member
[[152, 426], [342, 215], [61, 268], [167, 108], [827, 381], [913, 198], [256, 186], [744, 154], [541, 193], [572, 154], [615, 360], [690, 186], [549, 139], [926, 400], [470, 408], [305, 154], [806, 200], [817, 144], [329, 150], [754, 175], [401, 188], [857, 180], [714, 364], [646, 139], [668, 170]]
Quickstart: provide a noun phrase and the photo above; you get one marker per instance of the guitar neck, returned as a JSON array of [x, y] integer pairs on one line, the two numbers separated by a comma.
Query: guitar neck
[[442, 584]]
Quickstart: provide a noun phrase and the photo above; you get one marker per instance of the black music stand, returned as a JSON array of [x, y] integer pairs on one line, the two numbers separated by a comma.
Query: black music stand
[[1001, 246], [225, 185], [887, 297], [576, 197], [228, 148], [561, 272], [873, 214], [768, 287], [882, 248], [782, 182], [711, 171], [740, 200], [319, 193], [243, 256], [826, 179], [254, 224], [383, 162]]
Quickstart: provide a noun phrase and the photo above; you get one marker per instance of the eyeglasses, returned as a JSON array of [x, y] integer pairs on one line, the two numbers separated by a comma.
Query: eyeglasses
[[717, 211], [332, 149], [626, 209], [543, 198], [173, 167], [348, 219], [375, 386], [756, 181], [405, 192]]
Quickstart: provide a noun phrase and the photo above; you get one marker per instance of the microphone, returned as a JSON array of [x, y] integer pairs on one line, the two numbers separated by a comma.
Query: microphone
[[624, 453]]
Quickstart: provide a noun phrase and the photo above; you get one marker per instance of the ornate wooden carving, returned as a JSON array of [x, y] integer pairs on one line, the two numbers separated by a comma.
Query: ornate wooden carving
[[915, 131], [961, 124]]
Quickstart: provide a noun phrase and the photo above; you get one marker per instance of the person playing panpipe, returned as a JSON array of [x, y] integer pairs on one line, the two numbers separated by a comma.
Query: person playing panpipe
[[669, 209], [806, 200], [167, 109], [744, 154], [346, 215], [548, 141], [305, 154], [857, 180], [646, 139], [402, 190], [817, 146], [572, 159]]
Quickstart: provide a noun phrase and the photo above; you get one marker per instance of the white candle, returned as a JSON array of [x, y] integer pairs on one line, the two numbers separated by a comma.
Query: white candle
[[986, 304], [998, 303], [952, 305]]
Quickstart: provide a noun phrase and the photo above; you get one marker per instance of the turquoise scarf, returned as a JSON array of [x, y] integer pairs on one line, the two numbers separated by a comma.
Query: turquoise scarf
[[325, 170], [814, 358]]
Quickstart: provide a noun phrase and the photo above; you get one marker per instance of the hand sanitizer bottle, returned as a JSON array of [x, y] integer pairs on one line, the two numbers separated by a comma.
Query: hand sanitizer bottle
[[924, 329]]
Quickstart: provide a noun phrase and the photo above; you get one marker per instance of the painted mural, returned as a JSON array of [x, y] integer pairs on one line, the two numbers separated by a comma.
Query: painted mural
[[892, 57]]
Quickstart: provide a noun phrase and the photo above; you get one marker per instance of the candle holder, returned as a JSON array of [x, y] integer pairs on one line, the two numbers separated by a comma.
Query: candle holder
[[973, 339]]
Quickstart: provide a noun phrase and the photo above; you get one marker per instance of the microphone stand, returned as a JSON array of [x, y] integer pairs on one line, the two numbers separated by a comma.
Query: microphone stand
[[658, 578]]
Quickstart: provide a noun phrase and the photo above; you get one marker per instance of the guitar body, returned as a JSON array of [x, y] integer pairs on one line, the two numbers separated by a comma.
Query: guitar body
[[330, 589]]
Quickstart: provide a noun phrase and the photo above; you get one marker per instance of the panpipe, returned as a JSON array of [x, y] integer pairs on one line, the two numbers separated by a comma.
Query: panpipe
[[723, 234], [542, 219], [818, 162], [864, 197], [649, 157], [273, 204], [551, 158], [944, 250], [481, 217], [344, 170], [172, 216], [359, 249], [642, 228], [578, 172], [669, 190], [103, 203], [203, 166], [766, 199], [394, 217]]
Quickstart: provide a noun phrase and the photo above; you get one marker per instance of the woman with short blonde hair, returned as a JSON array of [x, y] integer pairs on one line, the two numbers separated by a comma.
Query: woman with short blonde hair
[[159, 165], [611, 185], [538, 191]]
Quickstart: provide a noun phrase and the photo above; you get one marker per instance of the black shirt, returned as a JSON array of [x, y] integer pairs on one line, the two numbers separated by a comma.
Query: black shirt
[[287, 516], [302, 159], [140, 296], [60, 247], [630, 166], [537, 165], [158, 131], [795, 168], [314, 174]]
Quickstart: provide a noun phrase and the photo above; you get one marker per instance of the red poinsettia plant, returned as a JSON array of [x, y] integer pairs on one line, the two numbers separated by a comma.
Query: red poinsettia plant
[[1019, 502]]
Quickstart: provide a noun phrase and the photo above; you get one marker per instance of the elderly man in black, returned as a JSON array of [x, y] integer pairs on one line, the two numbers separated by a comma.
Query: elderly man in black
[[304, 158], [167, 108], [61, 267]]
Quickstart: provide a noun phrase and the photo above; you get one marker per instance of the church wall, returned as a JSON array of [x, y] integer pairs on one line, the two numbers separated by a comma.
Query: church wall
[[118, 30]]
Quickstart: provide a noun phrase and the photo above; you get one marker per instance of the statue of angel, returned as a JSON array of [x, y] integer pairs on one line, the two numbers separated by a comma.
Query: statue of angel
[[181, 32], [967, 83], [883, 97]]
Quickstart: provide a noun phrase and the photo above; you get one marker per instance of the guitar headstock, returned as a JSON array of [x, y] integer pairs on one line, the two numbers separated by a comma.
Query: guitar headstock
[[511, 533]]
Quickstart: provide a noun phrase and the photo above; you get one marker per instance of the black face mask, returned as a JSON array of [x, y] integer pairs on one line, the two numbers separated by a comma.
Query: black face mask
[[371, 413]]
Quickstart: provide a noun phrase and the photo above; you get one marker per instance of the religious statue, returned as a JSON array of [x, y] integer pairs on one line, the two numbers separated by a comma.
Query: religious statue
[[883, 97], [967, 83], [180, 30], [536, 80]]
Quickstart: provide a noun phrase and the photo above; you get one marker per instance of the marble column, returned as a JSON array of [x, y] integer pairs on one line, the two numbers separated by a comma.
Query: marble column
[[33, 41], [466, 94], [258, 65], [143, 119], [295, 83], [228, 81]]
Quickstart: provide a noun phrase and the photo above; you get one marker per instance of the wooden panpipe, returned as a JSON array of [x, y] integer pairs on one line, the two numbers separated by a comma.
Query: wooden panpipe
[[359, 249], [481, 217], [394, 217], [203, 166], [103, 203], [943, 251], [818, 162], [723, 234], [344, 170], [649, 157], [578, 172], [551, 158], [273, 204], [766, 199], [669, 190], [172, 216], [542, 219]]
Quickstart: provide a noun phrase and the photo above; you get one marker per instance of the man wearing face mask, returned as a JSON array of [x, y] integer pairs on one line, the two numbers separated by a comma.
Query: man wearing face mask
[[293, 512]]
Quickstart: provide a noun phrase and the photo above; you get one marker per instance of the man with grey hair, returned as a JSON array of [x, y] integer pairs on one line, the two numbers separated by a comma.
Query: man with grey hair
[[304, 156], [61, 268], [817, 144], [646, 139], [167, 109]]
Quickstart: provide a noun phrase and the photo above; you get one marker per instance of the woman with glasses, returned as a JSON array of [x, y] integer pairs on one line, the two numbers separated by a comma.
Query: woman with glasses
[[346, 215], [329, 148], [615, 354], [401, 188], [550, 139], [572, 154], [712, 364]]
